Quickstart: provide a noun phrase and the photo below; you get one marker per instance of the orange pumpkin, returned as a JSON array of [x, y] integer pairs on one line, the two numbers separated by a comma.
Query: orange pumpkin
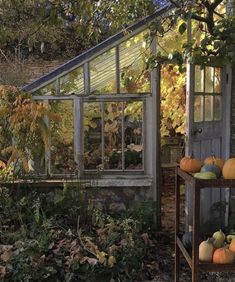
[[214, 160], [229, 169], [232, 246], [223, 256], [189, 164]]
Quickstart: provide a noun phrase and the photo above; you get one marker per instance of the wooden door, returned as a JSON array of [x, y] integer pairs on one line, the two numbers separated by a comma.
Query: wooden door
[[206, 134]]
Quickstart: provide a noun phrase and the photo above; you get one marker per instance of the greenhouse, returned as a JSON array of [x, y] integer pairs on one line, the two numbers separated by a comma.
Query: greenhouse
[[118, 120], [109, 113]]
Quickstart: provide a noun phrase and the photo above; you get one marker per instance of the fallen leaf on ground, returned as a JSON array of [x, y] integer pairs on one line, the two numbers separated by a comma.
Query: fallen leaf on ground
[[6, 256]]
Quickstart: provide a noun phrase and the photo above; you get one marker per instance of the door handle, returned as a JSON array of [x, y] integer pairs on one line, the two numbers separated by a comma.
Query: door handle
[[198, 130]]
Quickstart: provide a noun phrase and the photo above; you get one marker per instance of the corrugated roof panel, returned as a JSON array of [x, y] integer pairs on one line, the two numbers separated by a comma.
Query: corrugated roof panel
[[103, 73]]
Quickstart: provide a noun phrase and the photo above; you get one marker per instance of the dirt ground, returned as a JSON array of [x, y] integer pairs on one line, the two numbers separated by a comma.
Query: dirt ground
[[163, 253]]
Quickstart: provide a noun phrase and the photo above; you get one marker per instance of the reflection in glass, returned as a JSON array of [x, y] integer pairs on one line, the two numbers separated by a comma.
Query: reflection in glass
[[208, 108], [198, 108], [217, 80], [209, 79], [199, 79], [92, 136], [134, 77], [217, 108], [37, 152], [49, 89], [113, 135], [62, 138], [103, 73], [133, 120], [72, 83]]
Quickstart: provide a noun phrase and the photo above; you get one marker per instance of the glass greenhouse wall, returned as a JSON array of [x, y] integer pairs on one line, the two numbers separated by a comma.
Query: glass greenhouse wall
[[99, 112]]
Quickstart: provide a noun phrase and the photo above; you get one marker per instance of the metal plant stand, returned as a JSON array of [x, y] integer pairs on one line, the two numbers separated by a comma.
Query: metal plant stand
[[193, 259]]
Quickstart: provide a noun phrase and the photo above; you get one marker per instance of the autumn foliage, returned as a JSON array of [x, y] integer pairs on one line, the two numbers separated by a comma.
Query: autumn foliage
[[21, 124], [173, 101]]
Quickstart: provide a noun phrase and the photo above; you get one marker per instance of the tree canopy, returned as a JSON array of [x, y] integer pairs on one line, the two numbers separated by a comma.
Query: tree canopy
[[55, 28]]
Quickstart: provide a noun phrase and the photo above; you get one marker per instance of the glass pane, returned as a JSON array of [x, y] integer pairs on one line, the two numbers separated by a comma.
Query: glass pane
[[217, 80], [62, 138], [37, 151], [133, 120], [199, 79], [217, 108], [92, 136], [209, 79], [172, 39], [103, 73], [113, 135], [208, 107], [49, 89], [134, 77], [72, 83], [198, 108]]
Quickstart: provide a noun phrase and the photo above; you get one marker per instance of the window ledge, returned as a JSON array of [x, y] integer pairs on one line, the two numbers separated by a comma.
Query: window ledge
[[104, 181], [123, 181]]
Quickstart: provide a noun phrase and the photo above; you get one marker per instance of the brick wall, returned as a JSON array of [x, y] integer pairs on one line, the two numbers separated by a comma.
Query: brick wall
[[22, 74]]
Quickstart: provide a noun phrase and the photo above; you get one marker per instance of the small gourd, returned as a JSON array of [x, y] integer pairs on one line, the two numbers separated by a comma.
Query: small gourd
[[190, 164], [230, 237], [206, 250], [214, 160], [211, 168], [229, 169], [219, 238], [232, 246], [205, 175], [223, 256]]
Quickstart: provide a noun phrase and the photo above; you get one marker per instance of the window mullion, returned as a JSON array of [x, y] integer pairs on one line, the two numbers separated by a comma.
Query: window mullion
[[78, 134], [143, 133], [123, 138], [117, 70], [102, 133], [48, 148], [86, 79]]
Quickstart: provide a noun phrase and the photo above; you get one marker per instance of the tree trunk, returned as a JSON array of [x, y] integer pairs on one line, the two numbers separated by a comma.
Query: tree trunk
[[231, 7]]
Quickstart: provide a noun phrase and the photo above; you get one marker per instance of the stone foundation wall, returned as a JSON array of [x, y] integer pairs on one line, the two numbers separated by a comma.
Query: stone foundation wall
[[116, 199], [107, 198]]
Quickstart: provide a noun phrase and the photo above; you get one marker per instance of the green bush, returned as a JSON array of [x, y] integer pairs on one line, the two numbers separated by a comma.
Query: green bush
[[46, 239]]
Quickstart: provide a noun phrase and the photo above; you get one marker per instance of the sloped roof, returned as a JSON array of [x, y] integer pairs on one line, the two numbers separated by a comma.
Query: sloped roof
[[90, 53]]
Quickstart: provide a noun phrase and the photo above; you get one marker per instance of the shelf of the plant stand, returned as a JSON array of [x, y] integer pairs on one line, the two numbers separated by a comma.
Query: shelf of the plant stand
[[209, 267], [206, 183], [192, 257]]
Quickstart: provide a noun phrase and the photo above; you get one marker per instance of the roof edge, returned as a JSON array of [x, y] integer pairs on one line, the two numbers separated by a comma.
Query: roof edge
[[95, 49]]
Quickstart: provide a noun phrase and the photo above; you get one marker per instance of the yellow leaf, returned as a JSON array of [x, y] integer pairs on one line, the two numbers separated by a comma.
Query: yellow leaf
[[101, 257], [111, 261]]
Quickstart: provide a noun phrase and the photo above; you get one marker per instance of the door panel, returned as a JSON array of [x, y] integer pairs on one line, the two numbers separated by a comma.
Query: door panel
[[205, 132]]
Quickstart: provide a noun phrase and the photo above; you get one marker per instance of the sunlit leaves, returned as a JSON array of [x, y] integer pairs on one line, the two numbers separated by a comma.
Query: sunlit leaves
[[213, 32], [172, 101], [23, 124]]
